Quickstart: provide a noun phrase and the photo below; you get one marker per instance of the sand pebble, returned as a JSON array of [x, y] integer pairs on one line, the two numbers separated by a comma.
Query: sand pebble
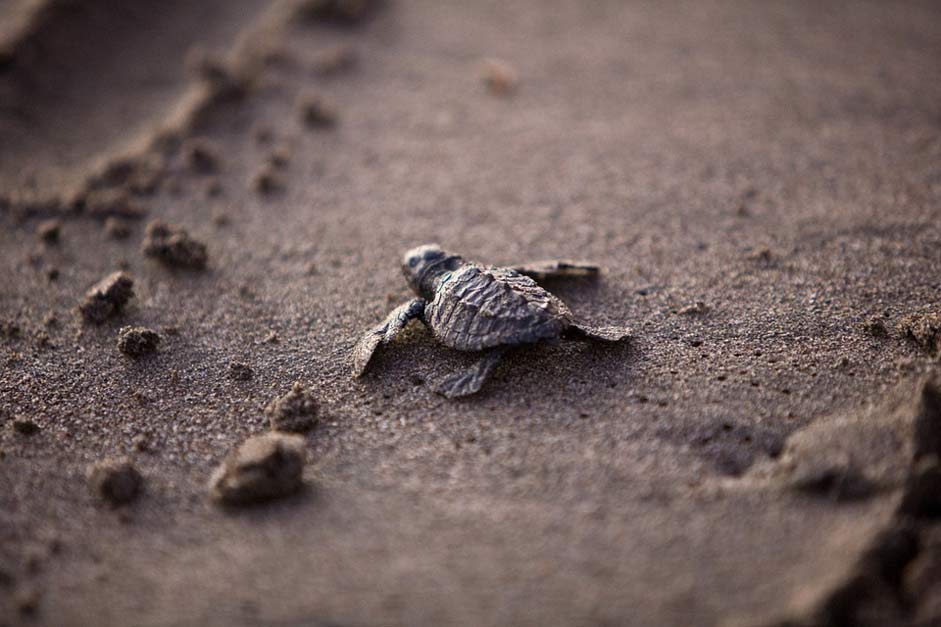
[[137, 341], [297, 411], [262, 468], [316, 111], [49, 231], [173, 246], [25, 426], [107, 297], [499, 77]]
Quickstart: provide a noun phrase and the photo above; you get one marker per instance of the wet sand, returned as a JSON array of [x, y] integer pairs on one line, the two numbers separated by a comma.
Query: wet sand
[[776, 162]]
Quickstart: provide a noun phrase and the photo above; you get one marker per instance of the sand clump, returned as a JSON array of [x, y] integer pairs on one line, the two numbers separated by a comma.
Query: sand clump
[[216, 71], [201, 156], [266, 180], [500, 77], [923, 329], [49, 231], [27, 599], [107, 297], [295, 412], [136, 342], [173, 246], [104, 203], [240, 371], [117, 228], [10, 329], [279, 157], [875, 327], [317, 111], [114, 481], [262, 468], [25, 426]]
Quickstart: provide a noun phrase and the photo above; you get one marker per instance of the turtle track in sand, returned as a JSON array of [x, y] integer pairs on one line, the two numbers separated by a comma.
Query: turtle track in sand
[[86, 86]]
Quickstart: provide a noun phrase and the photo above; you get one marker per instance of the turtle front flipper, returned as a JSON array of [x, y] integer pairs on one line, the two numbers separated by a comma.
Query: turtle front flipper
[[470, 380], [558, 269], [584, 333], [385, 332]]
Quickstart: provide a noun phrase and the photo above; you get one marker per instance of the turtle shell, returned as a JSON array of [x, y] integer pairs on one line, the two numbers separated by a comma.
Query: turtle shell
[[476, 308]]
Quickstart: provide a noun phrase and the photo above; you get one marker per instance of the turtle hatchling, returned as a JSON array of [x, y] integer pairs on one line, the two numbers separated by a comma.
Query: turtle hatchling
[[471, 307]]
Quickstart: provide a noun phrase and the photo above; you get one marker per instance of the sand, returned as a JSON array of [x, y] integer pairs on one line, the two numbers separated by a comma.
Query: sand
[[758, 181]]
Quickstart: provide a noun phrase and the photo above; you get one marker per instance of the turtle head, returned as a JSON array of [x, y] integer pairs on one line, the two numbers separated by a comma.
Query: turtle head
[[424, 265]]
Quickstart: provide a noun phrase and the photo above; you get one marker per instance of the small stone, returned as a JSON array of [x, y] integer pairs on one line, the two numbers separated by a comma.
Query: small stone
[[52, 274], [240, 371], [25, 426], [317, 111], [115, 481], [173, 246], [262, 468], [107, 297], [49, 230], [137, 341], [297, 411], [499, 77], [117, 228]]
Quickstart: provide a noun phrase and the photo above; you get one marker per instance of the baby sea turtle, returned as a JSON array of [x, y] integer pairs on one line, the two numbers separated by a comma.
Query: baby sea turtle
[[471, 307]]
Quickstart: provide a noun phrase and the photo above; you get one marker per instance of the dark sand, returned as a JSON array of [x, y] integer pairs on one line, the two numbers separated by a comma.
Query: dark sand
[[780, 162]]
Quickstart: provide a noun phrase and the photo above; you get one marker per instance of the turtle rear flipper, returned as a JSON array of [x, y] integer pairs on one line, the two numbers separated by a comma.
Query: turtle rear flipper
[[385, 332], [558, 269], [470, 380], [582, 333]]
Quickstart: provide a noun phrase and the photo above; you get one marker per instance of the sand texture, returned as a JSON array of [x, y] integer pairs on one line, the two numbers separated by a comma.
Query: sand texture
[[760, 182]]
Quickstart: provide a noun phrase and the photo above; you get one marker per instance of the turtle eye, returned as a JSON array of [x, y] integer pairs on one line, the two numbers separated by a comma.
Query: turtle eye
[[412, 262]]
